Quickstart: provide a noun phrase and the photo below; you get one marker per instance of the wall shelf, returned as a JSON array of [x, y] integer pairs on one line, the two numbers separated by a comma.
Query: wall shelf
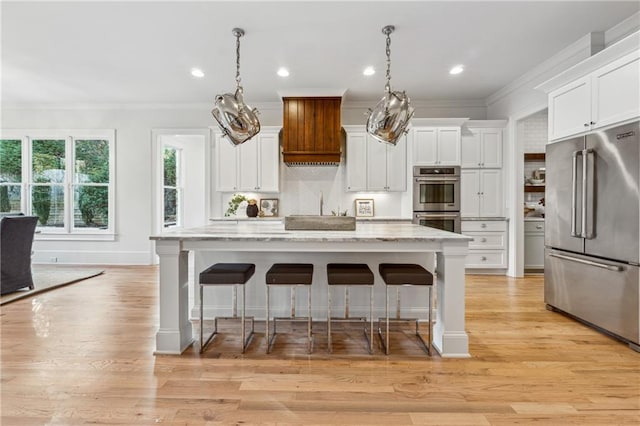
[[534, 156], [534, 188]]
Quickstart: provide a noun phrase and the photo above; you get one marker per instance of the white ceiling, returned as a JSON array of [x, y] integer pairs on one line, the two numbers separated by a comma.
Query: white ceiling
[[142, 52]]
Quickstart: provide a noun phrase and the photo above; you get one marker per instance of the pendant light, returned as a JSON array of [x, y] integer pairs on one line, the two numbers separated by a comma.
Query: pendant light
[[389, 120], [237, 120]]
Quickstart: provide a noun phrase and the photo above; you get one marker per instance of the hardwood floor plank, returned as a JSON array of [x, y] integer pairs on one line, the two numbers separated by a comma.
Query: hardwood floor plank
[[84, 354]]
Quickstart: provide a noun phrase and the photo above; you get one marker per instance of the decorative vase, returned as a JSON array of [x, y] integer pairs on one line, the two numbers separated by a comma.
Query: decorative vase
[[252, 208]]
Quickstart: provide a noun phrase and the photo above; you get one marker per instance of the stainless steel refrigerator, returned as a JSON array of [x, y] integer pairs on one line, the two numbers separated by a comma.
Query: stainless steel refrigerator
[[592, 230]]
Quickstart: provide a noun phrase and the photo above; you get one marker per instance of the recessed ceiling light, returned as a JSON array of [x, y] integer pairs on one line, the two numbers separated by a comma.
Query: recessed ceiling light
[[283, 72], [197, 72], [369, 71], [456, 70]]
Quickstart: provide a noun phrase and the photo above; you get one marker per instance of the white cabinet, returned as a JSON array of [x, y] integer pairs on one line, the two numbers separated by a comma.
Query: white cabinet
[[436, 146], [481, 148], [481, 193], [604, 97], [253, 166], [488, 249], [534, 244], [375, 166]]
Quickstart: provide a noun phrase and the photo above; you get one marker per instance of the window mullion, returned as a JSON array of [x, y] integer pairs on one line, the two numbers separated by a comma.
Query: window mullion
[[68, 184]]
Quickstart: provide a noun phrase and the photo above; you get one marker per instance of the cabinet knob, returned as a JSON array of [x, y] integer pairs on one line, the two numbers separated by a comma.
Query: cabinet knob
[[593, 122], [483, 240], [483, 258], [586, 124], [538, 226], [483, 225]]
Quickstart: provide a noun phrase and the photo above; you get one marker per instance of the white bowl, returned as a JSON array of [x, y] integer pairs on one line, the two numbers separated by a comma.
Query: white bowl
[[536, 181]]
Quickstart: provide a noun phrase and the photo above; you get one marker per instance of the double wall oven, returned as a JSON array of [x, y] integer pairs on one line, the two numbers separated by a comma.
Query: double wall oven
[[436, 197]]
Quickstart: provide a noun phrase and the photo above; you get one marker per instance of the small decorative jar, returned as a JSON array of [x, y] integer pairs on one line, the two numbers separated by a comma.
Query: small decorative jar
[[252, 208]]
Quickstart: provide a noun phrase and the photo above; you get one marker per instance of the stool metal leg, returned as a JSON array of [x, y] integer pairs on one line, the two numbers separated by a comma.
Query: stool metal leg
[[201, 317], [309, 338], [329, 343]]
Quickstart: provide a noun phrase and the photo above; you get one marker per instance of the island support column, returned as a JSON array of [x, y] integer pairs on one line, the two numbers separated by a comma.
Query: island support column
[[449, 336], [175, 333]]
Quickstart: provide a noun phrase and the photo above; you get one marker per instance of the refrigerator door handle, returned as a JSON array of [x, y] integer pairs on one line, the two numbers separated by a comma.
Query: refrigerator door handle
[[614, 268], [587, 232], [574, 191]]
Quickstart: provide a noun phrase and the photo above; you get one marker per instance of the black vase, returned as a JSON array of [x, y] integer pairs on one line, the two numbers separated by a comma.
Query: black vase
[[252, 210]]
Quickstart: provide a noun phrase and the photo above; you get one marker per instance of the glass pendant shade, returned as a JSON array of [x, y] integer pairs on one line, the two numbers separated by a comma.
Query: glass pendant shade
[[237, 120], [389, 120]]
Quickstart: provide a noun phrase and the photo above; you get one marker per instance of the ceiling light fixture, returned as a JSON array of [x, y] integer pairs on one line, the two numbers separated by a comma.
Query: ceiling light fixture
[[369, 71], [456, 70], [237, 120], [389, 120], [283, 72], [197, 72]]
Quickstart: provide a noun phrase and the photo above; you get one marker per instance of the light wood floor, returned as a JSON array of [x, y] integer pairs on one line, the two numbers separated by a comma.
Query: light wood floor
[[84, 354]]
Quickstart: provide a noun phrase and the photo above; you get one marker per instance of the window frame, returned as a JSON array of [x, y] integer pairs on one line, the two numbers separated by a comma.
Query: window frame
[[178, 186], [68, 231]]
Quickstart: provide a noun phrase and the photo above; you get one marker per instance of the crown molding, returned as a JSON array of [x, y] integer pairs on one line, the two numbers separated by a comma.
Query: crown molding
[[585, 47]]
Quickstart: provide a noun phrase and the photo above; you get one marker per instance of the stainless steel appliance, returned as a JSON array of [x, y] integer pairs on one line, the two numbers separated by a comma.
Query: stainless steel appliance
[[592, 254], [436, 197]]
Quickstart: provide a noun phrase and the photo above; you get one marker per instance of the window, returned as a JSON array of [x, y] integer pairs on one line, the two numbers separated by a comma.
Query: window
[[172, 193], [11, 176], [66, 178]]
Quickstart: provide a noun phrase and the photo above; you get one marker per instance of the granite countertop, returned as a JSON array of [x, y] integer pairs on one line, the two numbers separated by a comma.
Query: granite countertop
[[484, 219], [274, 231]]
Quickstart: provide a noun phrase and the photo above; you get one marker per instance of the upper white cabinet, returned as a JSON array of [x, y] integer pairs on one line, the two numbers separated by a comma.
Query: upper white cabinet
[[375, 166], [436, 146], [253, 166], [608, 95], [481, 193], [481, 148]]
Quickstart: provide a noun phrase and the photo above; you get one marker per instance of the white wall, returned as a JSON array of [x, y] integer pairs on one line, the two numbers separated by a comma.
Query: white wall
[[134, 174]]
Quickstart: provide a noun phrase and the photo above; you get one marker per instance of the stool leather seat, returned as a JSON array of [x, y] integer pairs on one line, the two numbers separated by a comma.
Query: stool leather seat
[[349, 274], [290, 274], [227, 273], [405, 274]]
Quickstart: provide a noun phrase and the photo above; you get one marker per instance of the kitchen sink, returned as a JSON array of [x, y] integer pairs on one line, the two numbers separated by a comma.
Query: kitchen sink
[[319, 223]]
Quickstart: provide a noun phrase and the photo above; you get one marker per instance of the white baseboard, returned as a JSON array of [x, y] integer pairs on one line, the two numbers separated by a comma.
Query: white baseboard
[[79, 257]]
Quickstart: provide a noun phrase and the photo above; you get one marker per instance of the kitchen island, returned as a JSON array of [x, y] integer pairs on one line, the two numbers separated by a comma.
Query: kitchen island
[[269, 242]]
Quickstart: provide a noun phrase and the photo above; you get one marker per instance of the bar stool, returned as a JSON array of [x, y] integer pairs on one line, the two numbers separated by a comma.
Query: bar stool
[[348, 275], [227, 274], [290, 275], [397, 275]]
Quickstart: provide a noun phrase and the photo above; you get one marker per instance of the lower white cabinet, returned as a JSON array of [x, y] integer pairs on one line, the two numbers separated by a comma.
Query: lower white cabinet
[[534, 244], [488, 250], [481, 193], [253, 166]]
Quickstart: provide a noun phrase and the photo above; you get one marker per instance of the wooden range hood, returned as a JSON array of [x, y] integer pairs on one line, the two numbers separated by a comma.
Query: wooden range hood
[[311, 131]]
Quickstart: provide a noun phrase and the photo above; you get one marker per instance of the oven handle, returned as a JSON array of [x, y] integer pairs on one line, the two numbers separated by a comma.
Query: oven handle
[[437, 179], [443, 215]]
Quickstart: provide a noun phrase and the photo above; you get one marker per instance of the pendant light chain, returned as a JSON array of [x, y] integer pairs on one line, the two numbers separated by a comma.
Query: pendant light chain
[[238, 35], [387, 87]]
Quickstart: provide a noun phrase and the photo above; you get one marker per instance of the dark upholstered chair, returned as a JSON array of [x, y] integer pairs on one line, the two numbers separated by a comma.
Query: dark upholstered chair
[[16, 241]]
